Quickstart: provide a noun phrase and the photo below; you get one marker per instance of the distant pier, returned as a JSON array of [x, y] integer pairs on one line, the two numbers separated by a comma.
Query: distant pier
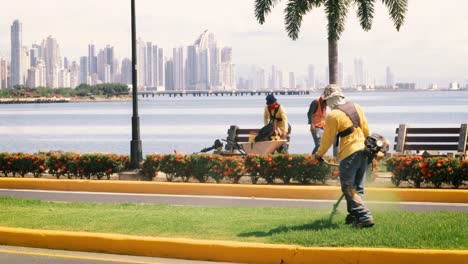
[[39, 100], [199, 93]]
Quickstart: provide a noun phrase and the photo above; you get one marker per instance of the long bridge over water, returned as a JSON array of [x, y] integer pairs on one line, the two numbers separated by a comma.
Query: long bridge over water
[[182, 93]]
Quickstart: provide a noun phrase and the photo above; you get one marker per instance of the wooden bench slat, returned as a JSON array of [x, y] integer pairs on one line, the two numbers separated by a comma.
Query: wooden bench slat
[[440, 139], [425, 130], [431, 147]]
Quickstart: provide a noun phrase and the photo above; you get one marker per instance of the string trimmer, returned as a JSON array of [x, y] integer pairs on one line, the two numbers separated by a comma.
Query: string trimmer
[[335, 206]]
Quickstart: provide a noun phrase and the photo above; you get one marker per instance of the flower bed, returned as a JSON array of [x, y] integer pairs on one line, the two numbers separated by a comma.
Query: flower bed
[[71, 165], [285, 167], [435, 171], [303, 169]]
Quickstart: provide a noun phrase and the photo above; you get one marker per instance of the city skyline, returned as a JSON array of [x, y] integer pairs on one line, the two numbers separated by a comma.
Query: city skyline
[[425, 57], [201, 66]]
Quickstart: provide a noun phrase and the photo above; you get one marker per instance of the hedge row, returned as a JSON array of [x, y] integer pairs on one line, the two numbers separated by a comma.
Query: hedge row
[[286, 167], [436, 171], [68, 164], [303, 169]]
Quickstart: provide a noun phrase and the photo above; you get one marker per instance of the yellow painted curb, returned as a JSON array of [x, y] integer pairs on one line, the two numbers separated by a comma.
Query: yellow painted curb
[[216, 250], [242, 190]]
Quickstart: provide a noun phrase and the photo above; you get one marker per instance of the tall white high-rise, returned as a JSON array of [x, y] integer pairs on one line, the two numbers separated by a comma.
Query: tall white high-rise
[[16, 51], [84, 70], [141, 58], [36, 53], [92, 59], [64, 78], [107, 74], [149, 64], [3, 73], [37, 75], [161, 69], [33, 55], [192, 67], [25, 64], [359, 72], [105, 59], [311, 77], [53, 61], [259, 81], [169, 80], [389, 79], [179, 69], [74, 74], [292, 80], [209, 66], [126, 77]]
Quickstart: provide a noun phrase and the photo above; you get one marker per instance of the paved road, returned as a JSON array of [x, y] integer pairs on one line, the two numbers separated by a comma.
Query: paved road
[[22, 255], [67, 196]]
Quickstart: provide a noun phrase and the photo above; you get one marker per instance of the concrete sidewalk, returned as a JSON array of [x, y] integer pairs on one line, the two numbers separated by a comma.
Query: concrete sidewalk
[[242, 190]]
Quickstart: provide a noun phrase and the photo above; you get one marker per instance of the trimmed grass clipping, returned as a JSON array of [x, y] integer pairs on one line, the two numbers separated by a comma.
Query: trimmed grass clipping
[[394, 228]]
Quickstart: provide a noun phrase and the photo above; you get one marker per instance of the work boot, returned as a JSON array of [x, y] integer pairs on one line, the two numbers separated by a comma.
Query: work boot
[[364, 223], [350, 219]]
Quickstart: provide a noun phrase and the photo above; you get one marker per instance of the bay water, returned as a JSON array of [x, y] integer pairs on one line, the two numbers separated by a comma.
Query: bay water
[[188, 124]]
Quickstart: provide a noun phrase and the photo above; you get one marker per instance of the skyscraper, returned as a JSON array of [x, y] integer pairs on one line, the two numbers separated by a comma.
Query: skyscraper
[[16, 51], [34, 55], [191, 66], [161, 69], [74, 74], [169, 84], [92, 59], [359, 72], [126, 71], [179, 69], [208, 66], [148, 65], [141, 59], [110, 59], [292, 80], [311, 77], [259, 81], [84, 70], [53, 61], [3, 73], [389, 79]]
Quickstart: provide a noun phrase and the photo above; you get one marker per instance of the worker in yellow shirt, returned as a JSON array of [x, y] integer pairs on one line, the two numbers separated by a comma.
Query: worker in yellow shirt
[[348, 124]]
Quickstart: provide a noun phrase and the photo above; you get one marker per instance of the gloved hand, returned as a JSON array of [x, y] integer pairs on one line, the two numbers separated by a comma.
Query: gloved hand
[[318, 157]]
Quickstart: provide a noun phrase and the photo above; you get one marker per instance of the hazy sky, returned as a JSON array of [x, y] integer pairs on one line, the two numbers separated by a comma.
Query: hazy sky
[[432, 45]]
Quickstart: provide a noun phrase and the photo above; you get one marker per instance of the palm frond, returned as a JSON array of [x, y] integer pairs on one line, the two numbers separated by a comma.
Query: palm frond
[[263, 8], [293, 13], [397, 9], [336, 11], [365, 13]]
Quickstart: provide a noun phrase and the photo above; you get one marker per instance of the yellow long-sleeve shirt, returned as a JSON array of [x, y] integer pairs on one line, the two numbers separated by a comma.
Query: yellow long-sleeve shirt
[[283, 124], [338, 121]]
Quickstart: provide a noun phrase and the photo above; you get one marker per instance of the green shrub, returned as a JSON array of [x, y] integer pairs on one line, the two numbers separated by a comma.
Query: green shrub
[[151, 166]]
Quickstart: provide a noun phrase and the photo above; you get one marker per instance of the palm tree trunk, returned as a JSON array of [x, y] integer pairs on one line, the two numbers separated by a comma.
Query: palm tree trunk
[[333, 61]]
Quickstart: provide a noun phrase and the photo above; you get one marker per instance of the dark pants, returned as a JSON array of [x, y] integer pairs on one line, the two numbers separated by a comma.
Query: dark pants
[[352, 177], [317, 135]]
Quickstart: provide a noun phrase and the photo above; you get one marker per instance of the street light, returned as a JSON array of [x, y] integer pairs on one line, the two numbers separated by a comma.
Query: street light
[[135, 144]]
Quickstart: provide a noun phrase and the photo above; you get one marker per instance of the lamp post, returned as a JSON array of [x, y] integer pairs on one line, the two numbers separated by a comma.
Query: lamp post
[[135, 144]]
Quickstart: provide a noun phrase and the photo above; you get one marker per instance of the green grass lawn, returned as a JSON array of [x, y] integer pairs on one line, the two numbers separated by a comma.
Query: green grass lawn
[[394, 228]]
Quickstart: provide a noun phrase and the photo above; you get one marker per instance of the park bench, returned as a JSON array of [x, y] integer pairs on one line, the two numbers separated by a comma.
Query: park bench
[[436, 141], [242, 139]]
